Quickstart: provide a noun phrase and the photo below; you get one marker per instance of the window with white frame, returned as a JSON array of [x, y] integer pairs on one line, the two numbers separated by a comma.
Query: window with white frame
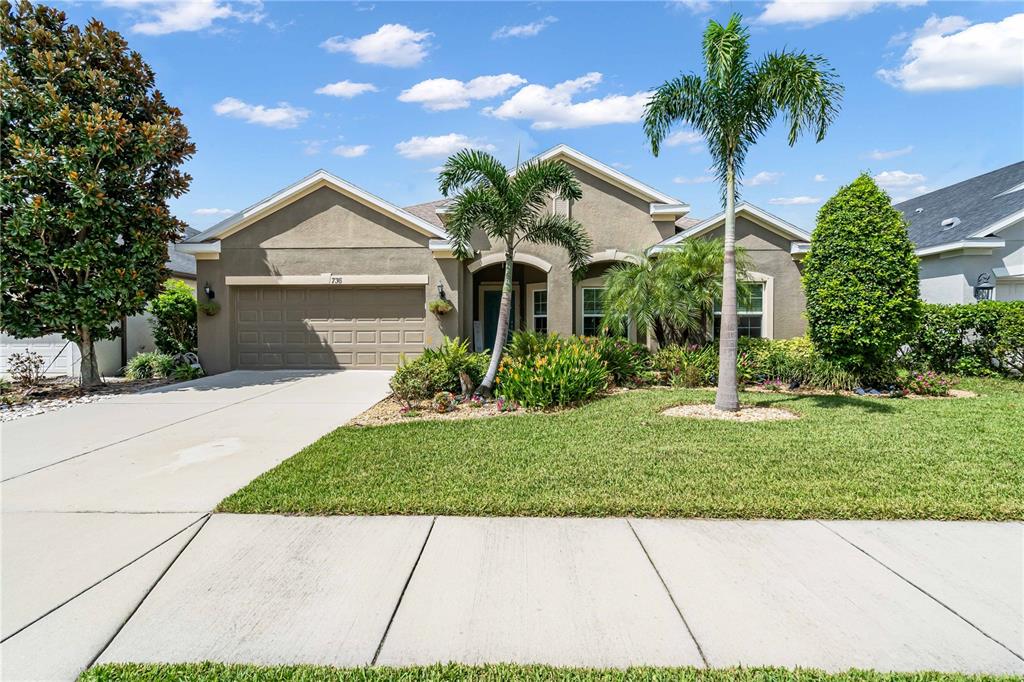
[[593, 310], [540, 311], [749, 310]]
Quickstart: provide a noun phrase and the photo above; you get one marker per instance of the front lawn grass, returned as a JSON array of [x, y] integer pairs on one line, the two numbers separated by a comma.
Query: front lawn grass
[[200, 672], [847, 457]]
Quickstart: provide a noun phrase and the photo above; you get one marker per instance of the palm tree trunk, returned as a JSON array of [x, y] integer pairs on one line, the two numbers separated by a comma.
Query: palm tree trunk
[[487, 385], [727, 398]]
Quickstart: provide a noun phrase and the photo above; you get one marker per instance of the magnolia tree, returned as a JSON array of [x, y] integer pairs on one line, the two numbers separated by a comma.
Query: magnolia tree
[[89, 156]]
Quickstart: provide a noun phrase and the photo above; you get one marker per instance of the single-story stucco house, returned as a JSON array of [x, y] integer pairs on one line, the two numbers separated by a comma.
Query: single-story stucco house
[[970, 238], [324, 274]]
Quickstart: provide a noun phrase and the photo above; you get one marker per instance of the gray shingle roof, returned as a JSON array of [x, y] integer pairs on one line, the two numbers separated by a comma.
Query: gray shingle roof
[[428, 211], [977, 202], [181, 263]]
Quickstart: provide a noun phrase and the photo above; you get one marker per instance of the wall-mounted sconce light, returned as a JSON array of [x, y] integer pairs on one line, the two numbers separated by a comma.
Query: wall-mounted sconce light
[[440, 291], [208, 290], [984, 286]]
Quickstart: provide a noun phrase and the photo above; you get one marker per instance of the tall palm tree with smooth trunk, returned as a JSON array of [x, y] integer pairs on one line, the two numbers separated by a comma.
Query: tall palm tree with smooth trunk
[[511, 207], [731, 106]]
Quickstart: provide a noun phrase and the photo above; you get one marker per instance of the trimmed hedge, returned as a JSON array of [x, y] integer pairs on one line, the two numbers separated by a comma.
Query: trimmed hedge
[[971, 339]]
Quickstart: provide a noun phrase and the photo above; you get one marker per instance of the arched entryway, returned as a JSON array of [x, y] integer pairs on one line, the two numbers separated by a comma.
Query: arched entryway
[[529, 309]]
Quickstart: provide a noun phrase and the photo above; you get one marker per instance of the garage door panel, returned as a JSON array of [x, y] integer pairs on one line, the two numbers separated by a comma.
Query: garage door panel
[[318, 327]]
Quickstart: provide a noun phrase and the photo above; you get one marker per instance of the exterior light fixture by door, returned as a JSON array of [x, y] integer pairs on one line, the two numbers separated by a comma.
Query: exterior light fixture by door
[[208, 290], [440, 291], [983, 287]]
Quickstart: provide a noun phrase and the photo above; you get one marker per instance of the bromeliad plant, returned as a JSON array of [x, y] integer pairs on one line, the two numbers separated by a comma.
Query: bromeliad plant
[[731, 106], [510, 207]]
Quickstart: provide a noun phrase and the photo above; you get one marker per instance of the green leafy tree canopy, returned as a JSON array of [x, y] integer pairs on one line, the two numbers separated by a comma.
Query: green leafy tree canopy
[[861, 279], [174, 318], [89, 157]]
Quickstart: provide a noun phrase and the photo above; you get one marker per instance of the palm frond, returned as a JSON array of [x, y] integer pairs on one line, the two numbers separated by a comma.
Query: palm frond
[[681, 100], [726, 50], [535, 182], [472, 166], [804, 87], [569, 234], [475, 207]]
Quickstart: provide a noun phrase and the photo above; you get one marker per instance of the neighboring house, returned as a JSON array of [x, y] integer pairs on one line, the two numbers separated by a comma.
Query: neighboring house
[[63, 358], [970, 238], [325, 274]]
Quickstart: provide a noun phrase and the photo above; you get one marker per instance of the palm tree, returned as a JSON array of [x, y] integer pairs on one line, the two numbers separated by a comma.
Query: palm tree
[[510, 207], [672, 293], [731, 106]]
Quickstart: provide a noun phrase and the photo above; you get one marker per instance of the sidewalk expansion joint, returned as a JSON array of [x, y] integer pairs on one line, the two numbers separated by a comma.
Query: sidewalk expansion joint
[[917, 587], [672, 598], [201, 522], [106, 577], [401, 595]]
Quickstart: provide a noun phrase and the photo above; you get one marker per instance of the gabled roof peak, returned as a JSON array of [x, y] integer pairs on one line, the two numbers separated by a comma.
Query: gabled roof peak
[[616, 177]]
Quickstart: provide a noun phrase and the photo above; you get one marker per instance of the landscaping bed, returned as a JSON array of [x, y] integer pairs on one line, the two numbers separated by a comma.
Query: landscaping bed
[[199, 672], [846, 457], [51, 394]]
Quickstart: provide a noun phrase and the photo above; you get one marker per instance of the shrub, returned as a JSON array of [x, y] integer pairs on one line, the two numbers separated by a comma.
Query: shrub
[[525, 345], [687, 366], [628, 363], [795, 362], [438, 370], [969, 339], [186, 372], [571, 374], [174, 318], [861, 279], [928, 383], [156, 366], [26, 369], [443, 401]]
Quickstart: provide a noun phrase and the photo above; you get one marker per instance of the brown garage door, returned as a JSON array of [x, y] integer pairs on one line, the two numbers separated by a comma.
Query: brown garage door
[[283, 327]]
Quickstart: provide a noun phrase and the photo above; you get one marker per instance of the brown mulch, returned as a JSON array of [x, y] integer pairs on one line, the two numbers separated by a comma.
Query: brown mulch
[[744, 414], [65, 388]]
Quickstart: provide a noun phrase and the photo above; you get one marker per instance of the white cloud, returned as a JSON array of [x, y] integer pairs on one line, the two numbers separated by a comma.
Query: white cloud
[[951, 54], [445, 94], [898, 179], [696, 180], [695, 6], [764, 178], [312, 147], [160, 17], [213, 211], [390, 45], [883, 154], [683, 137], [439, 145], [351, 151], [553, 108], [819, 178], [346, 89], [809, 13], [283, 115], [523, 30], [794, 201]]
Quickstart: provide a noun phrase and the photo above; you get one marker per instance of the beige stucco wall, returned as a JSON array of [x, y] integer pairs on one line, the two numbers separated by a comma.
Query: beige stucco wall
[[323, 232], [614, 219], [770, 255]]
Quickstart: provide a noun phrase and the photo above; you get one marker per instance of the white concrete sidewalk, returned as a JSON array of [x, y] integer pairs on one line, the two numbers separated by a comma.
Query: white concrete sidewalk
[[353, 591], [99, 499]]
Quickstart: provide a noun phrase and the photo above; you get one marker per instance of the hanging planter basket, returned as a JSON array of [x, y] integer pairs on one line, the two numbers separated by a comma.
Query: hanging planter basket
[[440, 306]]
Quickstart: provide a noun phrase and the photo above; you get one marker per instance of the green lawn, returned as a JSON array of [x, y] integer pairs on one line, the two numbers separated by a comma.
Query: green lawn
[[846, 457], [196, 672]]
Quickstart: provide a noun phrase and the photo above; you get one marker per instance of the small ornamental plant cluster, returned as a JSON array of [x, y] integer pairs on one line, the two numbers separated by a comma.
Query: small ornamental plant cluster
[[572, 374], [503, 405], [774, 385], [440, 306], [26, 369], [443, 402], [929, 383]]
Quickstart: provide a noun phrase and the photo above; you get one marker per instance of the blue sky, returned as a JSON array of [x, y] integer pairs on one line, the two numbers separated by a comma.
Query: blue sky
[[933, 91]]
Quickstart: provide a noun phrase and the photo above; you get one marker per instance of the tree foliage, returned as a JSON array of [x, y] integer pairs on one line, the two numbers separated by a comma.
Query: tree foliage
[[89, 156], [861, 279], [174, 318]]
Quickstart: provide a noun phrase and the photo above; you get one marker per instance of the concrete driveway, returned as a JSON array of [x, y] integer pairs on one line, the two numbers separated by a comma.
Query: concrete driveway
[[99, 499]]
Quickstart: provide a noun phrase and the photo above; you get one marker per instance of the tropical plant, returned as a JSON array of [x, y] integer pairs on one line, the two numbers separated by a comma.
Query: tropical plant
[[153, 365], [861, 279], [572, 374], [527, 344], [174, 318], [89, 157], [732, 106], [672, 293], [438, 369], [628, 363], [510, 207]]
